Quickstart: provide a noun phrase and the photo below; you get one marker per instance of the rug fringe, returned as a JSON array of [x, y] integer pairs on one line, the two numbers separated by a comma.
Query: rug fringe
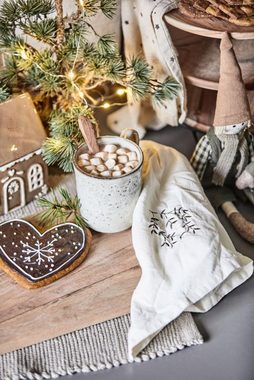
[[100, 366]]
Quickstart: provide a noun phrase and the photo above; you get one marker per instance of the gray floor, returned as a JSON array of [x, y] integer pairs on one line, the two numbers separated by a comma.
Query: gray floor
[[228, 329]]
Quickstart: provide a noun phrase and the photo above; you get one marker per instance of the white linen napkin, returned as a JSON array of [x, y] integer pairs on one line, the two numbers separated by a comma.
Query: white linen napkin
[[187, 259]]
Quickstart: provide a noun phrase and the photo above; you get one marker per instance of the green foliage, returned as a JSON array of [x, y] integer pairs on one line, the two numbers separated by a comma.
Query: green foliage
[[107, 46], [26, 15], [59, 151], [62, 208], [4, 93], [43, 30], [72, 75], [166, 90], [108, 7], [92, 7], [9, 74]]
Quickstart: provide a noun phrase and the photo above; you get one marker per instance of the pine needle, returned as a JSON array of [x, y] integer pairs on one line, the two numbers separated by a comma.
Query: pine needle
[[70, 73], [4, 93], [62, 208]]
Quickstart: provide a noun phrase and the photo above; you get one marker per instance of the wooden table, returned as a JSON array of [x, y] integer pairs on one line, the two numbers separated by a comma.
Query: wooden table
[[98, 290]]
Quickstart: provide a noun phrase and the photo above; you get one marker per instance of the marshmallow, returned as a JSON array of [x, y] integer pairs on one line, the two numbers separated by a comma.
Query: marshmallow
[[132, 164], [107, 173], [117, 173], [135, 163], [112, 160], [96, 161], [118, 167], [102, 155], [101, 168], [89, 168], [110, 148], [127, 169], [110, 163], [122, 159], [132, 156], [84, 156], [83, 162], [122, 151], [112, 155]]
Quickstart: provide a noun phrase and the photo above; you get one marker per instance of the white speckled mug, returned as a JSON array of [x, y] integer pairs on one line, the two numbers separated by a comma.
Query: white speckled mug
[[108, 203]]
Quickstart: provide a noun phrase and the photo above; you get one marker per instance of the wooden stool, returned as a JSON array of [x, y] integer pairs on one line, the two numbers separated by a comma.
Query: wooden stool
[[198, 44]]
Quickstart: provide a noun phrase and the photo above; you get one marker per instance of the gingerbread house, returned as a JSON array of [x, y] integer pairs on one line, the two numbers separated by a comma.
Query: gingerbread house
[[23, 173]]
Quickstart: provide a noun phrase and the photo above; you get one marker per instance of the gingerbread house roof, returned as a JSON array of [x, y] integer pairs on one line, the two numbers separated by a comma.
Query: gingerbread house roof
[[21, 130]]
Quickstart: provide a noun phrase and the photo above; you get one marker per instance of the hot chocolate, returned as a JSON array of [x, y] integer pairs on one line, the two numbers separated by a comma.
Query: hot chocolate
[[111, 161]]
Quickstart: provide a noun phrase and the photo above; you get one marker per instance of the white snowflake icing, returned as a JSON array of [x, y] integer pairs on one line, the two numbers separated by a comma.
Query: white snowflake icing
[[39, 253], [34, 255]]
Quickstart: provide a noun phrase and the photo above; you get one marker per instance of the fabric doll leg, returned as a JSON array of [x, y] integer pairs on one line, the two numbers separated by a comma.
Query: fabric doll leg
[[242, 226], [238, 221], [225, 198]]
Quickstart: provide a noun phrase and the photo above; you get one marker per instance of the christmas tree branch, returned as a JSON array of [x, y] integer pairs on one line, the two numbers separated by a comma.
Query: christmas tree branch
[[71, 74], [62, 208], [59, 22]]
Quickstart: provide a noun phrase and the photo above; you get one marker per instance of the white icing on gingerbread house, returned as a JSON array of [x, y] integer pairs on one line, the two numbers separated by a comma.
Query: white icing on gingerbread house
[[23, 173]]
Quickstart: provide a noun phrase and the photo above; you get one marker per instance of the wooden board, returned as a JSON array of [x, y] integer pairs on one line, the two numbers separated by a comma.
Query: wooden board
[[98, 290], [208, 27]]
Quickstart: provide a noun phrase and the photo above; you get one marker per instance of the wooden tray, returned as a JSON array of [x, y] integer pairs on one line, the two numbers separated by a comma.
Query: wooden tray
[[209, 27], [98, 290]]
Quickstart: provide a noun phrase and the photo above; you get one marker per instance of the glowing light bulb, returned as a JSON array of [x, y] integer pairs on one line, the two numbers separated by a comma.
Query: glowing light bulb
[[120, 91], [71, 75], [81, 94], [23, 54], [81, 2], [106, 105]]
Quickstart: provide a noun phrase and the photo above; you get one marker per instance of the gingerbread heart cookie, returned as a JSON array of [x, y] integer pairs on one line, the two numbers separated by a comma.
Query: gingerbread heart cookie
[[34, 259]]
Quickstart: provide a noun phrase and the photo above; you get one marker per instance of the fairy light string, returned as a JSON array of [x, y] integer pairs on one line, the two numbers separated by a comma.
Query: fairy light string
[[71, 75]]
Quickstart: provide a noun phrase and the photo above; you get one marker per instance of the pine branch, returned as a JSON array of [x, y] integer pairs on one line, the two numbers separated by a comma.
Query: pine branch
[[59, 151], [166, 90], [60, 210], [14, 11], [65, 123], [108, 7], [90, 7], [4, 93], [139, 69], [9, 74], [72, 74], [107, 45], [65, 136], [9, 11], [34, 8], [43, 30]]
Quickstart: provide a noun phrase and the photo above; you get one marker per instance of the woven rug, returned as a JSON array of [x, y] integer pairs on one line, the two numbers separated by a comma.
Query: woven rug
[[94, 348]]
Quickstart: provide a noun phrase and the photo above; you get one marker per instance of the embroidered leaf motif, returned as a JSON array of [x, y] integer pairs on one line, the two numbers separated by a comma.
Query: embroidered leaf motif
[[172, 225]]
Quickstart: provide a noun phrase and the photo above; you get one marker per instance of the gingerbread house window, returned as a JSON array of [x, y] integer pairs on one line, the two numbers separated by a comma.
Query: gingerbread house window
[[35, 177]]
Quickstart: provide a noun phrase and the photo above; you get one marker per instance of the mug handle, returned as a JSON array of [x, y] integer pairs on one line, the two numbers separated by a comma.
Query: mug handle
[[130, 134]]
